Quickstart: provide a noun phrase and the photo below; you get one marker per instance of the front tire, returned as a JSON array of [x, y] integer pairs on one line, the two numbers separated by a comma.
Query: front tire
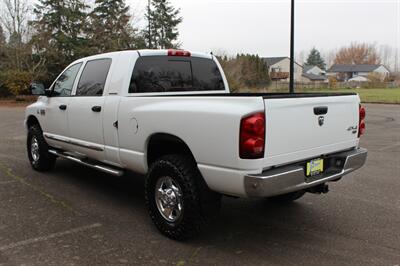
[[178, 200], [38, 150]]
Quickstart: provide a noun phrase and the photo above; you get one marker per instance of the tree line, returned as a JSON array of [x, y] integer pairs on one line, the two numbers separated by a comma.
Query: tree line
[[38, 41], [355, 53], [245, 71]]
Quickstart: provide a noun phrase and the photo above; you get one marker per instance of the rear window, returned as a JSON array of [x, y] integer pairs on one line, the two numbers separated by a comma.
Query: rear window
[[173, 74]]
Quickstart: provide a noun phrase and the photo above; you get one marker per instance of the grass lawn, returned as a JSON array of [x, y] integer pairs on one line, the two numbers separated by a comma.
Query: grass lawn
[[375, 95], [379, 95]]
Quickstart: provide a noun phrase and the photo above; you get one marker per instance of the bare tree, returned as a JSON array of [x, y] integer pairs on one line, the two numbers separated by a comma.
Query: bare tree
[[387, 54], [329, 57], [300, 57], [358, 53], [14, 19]]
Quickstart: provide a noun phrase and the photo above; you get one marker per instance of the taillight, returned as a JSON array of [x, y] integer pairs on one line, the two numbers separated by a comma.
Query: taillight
[[252, 136], [361, 123], [173, 52]]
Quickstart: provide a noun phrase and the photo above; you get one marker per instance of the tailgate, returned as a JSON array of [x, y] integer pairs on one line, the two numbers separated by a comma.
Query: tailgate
[[307, 127]]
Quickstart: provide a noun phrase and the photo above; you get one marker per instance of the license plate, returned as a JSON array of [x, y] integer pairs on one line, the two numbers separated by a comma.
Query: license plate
[[314, 167]]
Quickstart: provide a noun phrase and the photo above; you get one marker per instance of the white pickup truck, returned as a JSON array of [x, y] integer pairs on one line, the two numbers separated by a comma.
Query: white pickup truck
[[168, 114]]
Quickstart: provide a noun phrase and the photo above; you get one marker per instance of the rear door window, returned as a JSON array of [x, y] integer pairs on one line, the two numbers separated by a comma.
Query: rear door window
[[174, 74], [93, 78]]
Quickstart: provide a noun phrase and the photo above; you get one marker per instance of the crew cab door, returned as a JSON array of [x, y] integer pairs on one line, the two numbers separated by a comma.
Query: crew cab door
[[86, 108], [55, 124]]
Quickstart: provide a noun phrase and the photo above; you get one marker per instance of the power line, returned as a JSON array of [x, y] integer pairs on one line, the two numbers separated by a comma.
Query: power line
[[291, 77]]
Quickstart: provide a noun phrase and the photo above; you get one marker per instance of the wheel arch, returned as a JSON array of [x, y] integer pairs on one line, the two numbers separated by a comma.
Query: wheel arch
[[160, 144], [32, 120]]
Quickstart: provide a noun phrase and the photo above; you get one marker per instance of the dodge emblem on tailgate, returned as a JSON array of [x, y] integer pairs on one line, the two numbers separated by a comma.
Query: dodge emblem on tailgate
[[321, 120]]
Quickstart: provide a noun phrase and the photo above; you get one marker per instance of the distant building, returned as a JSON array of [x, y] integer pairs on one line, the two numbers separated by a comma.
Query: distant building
[[350, 72], [279, 68], [314, 74], [313, 70]]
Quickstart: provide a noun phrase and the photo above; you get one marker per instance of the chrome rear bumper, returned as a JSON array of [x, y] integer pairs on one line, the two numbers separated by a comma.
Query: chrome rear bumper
[[292, 177]]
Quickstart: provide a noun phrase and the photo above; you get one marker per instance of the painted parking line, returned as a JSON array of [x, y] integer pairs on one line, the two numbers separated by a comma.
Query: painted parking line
[[7, 182], [48, 237], [10, 174], [8, 156]]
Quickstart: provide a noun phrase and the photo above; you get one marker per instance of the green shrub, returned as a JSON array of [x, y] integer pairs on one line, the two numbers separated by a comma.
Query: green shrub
[[15, 82]]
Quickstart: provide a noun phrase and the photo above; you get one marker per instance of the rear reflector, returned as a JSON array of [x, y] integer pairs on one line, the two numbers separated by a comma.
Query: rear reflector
[[252, 136], [173, 52]]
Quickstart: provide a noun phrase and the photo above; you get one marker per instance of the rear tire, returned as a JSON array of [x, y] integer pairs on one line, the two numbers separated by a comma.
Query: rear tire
[[38, 150], [287, 198], [178, 200]]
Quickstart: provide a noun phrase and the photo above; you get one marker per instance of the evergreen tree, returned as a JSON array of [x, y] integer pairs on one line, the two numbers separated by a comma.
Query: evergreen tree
[[59, 28], [110, 28], [315, 59], [163, 20]]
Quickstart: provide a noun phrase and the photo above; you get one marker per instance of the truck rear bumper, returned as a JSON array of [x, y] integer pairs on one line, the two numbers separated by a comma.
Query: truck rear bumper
[[292, 177]]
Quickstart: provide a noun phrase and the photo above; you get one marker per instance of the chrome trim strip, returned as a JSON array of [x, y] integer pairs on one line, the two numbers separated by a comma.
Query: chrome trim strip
[[76, 143], [102, 168], [292, 178]]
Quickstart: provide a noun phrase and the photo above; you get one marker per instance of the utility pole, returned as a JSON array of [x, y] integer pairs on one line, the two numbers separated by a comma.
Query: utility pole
[[291, 80], [149, 18]]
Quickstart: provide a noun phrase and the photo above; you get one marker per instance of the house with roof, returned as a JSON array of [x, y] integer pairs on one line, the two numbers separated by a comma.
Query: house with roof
[[279, 68], [309, 69], [314, 74], [357, 72]]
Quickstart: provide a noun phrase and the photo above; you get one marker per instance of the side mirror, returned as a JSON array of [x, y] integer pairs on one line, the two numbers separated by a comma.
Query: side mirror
[[37, 89], [47, 92]]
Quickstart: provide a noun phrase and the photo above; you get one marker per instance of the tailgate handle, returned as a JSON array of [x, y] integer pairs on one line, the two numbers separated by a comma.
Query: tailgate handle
[[321, 110]]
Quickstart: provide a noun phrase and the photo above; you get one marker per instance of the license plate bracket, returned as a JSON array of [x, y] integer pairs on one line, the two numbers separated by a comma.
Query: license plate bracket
[[314, 167]]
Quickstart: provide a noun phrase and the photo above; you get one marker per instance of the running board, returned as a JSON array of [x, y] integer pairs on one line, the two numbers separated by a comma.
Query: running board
[[102, 168]]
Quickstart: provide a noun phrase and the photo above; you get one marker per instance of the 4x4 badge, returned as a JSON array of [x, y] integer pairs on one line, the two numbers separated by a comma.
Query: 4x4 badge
[[353, 129]]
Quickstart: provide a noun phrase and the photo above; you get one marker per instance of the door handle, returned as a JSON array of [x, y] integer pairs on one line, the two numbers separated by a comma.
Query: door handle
[[96, 109], [62, 107], [321, 110]]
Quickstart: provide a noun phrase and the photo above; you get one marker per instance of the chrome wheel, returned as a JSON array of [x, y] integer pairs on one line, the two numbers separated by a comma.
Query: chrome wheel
[[35, 149], [169, 198]]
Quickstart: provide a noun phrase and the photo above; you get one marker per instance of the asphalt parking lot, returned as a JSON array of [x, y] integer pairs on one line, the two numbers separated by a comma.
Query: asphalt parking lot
[[76, 215]]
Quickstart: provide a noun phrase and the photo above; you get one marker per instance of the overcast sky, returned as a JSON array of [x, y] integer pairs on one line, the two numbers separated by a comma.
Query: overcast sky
[[262, 26]]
